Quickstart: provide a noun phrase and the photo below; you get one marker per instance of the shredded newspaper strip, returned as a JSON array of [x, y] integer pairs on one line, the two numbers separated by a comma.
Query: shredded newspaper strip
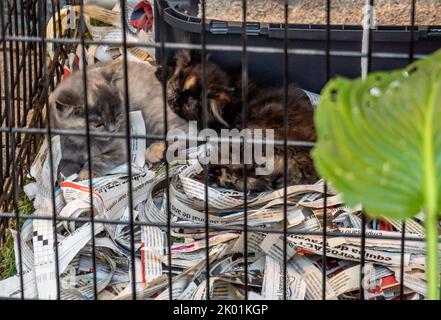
[[187, 250]]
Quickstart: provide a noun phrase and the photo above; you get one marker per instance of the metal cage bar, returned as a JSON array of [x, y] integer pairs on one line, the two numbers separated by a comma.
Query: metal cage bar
[[42, 8], [325, 186], [88, 145], [129, 151], [167, 167]]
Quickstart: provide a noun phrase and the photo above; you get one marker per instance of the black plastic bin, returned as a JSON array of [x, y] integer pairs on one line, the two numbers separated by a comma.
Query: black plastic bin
[[307, 64]]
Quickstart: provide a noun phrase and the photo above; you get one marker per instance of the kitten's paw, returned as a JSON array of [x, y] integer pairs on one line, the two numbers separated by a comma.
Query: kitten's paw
[[155, 153], [83, 175]]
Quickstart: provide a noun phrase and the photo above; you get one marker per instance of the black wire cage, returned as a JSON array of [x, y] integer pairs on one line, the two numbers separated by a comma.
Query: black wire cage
[[32, 64]]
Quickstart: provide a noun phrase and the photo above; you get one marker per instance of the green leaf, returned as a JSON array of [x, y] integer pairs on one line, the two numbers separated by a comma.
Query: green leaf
[[379, 141]]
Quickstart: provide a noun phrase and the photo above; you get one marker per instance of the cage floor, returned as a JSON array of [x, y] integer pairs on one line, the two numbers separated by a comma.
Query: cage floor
[[349, 12]]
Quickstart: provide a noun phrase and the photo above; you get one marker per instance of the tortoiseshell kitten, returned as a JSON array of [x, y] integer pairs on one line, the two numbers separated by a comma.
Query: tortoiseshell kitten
[[184, 91], [105, 95], [265, 110]]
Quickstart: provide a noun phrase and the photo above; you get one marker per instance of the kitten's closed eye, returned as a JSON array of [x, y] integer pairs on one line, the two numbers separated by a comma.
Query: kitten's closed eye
[[98, 125]]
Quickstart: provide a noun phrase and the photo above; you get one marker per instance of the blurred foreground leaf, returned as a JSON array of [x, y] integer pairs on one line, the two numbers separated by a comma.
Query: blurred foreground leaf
[[379, 143]]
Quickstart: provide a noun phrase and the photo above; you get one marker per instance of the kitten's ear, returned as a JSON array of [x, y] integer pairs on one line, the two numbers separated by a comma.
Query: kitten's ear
[[183, 58], [196, 56]]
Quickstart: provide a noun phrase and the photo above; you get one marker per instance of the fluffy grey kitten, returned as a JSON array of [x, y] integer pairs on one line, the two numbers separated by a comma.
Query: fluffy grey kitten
[[105, 98]]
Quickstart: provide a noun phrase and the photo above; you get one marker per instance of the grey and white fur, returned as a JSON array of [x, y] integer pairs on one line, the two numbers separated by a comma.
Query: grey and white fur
[[105, 100]]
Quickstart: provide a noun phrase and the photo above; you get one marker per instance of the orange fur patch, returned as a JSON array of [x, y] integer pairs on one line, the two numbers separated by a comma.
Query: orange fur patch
[[189, 82]]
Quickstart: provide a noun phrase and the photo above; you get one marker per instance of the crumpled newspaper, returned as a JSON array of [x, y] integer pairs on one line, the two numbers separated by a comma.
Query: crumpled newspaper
[[103, 23], [265, 254]]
